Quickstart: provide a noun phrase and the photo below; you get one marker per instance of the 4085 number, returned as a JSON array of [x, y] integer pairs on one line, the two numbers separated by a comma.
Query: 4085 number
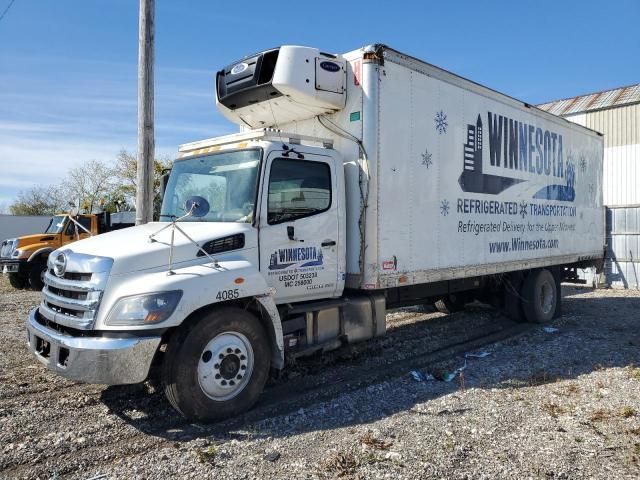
[[228, 294]]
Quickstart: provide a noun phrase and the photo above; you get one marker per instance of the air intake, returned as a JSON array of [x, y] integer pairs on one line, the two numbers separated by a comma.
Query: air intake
[[224, 244]]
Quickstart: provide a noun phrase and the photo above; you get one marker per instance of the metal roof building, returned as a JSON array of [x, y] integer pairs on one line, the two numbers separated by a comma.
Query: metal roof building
[[616, 114]]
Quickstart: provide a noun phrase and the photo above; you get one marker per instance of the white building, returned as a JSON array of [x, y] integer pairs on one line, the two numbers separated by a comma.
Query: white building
[[615, 114]]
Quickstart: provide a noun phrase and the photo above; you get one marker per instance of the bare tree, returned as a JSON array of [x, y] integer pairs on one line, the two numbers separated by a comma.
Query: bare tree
[[127, 176], [40, 200], [91, 183], [91, 186]]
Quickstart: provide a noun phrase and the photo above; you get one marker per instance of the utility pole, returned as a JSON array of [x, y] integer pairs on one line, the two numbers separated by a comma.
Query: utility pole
[[146, 142]]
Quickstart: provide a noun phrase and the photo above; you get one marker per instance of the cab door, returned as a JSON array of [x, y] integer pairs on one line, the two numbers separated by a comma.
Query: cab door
[[300, 248]]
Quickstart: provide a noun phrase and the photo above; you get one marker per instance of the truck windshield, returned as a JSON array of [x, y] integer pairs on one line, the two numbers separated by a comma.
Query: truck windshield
[[227, 181], [56, 224]]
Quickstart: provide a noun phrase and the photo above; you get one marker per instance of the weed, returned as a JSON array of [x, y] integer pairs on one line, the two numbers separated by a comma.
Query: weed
[[626, 412], [342, 464], [208, 455], [370, 440], [572, 389], [600, 415], [541, 378], [553, 409], [634, 372]]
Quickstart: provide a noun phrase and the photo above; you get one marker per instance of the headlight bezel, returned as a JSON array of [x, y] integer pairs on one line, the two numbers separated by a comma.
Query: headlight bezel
[[135, 310]]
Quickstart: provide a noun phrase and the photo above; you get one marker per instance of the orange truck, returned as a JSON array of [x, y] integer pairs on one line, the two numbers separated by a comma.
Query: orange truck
[[24, 259]]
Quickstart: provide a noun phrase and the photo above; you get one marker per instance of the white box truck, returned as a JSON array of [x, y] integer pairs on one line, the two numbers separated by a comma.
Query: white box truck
[[359, 182]]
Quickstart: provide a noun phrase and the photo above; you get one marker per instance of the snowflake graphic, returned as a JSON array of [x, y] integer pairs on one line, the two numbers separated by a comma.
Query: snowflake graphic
[[583, 164], [441, 122], [523, 208], [426, 158], [444, 207]]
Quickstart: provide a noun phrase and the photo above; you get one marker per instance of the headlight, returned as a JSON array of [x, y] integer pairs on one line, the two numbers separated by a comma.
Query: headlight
[[144, 309], [17, 253]]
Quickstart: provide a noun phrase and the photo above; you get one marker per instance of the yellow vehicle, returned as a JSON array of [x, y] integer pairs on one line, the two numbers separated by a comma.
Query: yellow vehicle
[[24, 259]]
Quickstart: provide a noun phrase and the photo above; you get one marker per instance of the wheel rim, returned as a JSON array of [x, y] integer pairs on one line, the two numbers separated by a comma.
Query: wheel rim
[[225, 366], [546, 298]]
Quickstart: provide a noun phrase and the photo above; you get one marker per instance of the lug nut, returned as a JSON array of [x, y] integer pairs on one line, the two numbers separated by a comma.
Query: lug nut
[[237, 351], [242, 357], [243, 367], [218, 376], [223, 382], [229, 350], [238, 377], [231, 382]]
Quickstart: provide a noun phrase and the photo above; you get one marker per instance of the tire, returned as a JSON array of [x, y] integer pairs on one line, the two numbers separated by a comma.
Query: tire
[[451, 303], [228, 341], [539, 296], [18, 281], [36, 274]]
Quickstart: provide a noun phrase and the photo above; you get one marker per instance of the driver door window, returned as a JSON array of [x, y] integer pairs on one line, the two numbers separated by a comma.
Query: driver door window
[[297, 189]]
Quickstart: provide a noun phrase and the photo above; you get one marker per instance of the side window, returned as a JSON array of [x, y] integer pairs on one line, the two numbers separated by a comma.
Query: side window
[[297, 189], [84, 221]]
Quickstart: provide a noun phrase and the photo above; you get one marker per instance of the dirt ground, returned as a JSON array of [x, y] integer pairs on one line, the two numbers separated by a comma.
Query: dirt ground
[[559, 404]]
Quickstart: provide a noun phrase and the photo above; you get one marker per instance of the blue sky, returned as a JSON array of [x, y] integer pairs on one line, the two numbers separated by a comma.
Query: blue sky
[[68, 67]]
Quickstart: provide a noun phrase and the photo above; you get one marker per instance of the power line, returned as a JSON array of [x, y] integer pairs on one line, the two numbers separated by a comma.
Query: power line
[[6, 9]]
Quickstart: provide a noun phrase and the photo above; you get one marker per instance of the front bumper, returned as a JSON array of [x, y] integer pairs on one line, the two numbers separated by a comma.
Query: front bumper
[[101, 360], [8, 265]]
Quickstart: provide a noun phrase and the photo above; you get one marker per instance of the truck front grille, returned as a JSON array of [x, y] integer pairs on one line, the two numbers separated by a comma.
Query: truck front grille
[[73, 298], [6, 248]]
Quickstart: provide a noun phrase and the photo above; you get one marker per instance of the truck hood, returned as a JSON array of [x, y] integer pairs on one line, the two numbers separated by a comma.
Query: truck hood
[[45, 238], [132, 250]]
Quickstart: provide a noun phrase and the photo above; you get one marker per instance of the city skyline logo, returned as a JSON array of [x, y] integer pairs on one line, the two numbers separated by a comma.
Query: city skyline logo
[[514, 145], [301, 257]]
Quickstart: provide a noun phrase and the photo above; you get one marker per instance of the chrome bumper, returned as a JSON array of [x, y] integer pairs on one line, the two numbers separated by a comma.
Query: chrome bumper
[[108, 361]]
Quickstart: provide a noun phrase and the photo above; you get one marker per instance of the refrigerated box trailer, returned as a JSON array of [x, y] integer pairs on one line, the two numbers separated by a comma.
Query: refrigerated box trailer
[[359, 182]]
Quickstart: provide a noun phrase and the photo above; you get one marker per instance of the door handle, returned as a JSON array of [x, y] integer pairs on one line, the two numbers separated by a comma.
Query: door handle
[[328, 243]]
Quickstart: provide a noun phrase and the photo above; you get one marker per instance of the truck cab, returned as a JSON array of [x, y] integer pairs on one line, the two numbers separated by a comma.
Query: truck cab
[[285, 191], [252, 227], [24, 259]]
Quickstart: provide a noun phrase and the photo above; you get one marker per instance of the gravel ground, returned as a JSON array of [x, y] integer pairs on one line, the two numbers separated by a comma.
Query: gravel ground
[[541, 405]]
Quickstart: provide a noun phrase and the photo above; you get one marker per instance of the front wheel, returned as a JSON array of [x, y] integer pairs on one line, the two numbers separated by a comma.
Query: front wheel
[[37, 270], [18, 281], [217, 366]]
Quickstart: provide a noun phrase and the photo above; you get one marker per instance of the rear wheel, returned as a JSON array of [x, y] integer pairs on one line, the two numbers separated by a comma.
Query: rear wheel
[[18, 281], [37, 269], [217, 367], [540, 296]]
